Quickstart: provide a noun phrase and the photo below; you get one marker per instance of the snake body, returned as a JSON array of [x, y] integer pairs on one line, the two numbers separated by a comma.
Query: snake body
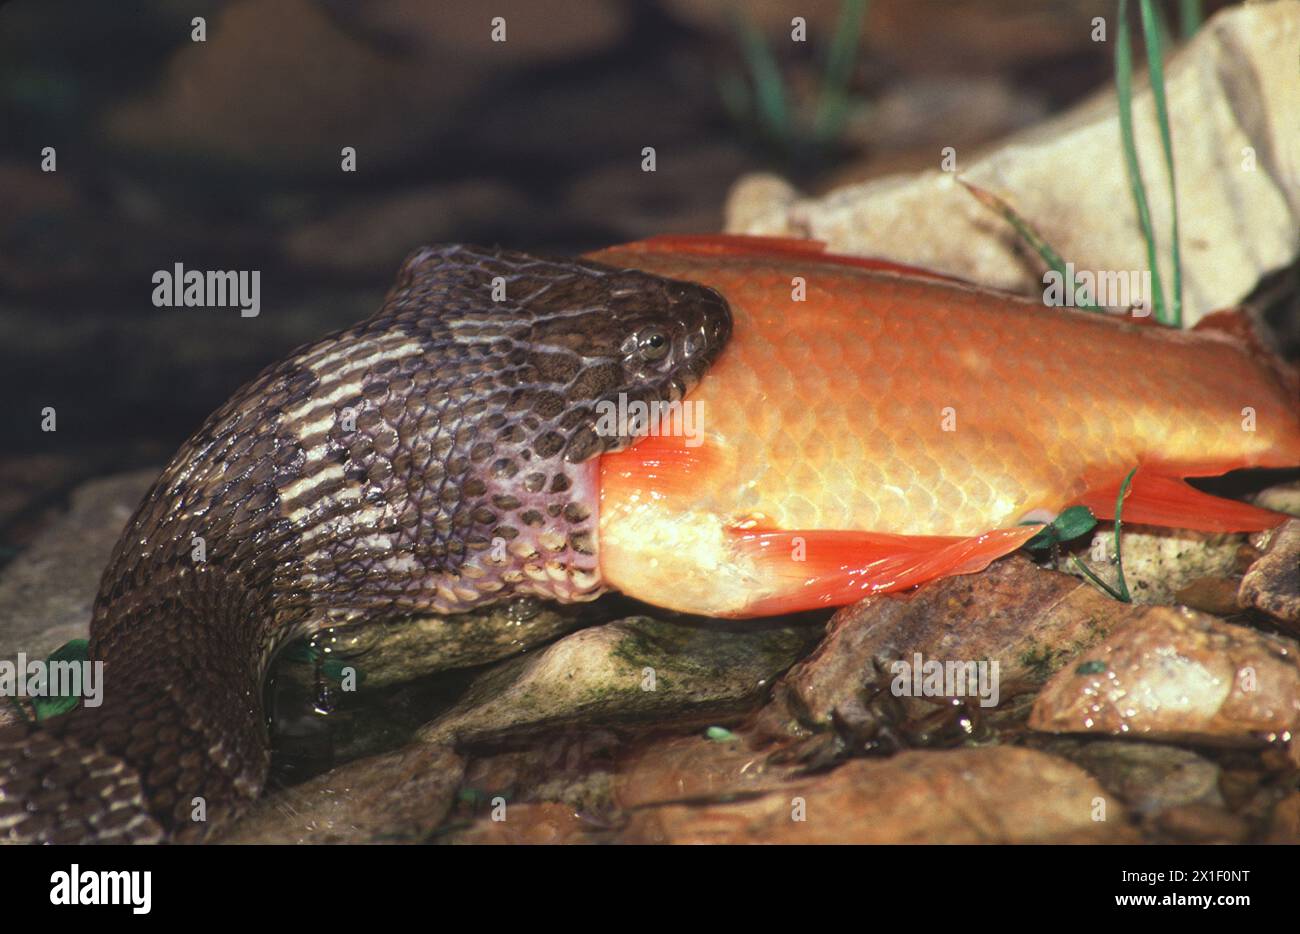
[[434, 458]]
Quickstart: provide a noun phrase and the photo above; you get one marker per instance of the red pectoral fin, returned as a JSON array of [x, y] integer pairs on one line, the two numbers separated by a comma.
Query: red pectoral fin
[[1156, 498], [812, 569], [658, 465]]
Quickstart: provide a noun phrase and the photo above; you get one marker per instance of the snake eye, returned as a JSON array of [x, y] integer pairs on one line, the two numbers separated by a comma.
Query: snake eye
[[653, 344]]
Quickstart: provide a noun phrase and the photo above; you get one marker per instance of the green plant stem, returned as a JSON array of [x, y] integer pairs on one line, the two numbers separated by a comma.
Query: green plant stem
[[1124, 86], [1190, 16], [769, 87], [1091, 575], [833, 105], [1119, 527], [1155, 68], [1026, 231]]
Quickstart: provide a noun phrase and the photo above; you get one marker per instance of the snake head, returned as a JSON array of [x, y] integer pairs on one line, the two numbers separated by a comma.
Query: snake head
[[564, 338], [651, 341]]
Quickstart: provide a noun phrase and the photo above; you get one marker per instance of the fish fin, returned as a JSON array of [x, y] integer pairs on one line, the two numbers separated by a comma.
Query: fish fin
[[1165, 499], [661, 464], [787, 247], [811, 569]]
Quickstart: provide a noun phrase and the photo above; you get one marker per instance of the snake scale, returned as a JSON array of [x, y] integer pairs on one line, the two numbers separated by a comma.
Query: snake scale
[[436, 457]]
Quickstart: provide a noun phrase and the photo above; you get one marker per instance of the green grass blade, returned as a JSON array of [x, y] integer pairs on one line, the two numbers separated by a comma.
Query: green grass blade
[[1120, 591], [1026, 231], [1122, 586], [1156, 70], [1191, 14], [1124, 86], [833, 106], [1088, 573], [769, 86]]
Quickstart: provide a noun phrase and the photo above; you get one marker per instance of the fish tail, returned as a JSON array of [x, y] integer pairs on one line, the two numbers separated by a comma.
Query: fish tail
[[1161, 496]]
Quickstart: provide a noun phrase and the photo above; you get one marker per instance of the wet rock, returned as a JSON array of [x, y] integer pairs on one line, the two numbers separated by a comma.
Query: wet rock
[[1214, 595], [1285, 826], [31, 491], [686, 768], [1176, 673], [1284, 497], [756, 196], [1029, 620], [635, 670], [1158, 563], [400, 797], [1273, 582], [317, 725], [573, 767], [46, 593], [545, 823], [974, 795], [405, 649], [1149, 778], [1201, 823]]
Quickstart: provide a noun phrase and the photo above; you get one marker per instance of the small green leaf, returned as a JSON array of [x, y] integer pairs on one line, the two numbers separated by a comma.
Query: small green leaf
[[1091, 668], [1069, 525], [719, 734], [74, 650]]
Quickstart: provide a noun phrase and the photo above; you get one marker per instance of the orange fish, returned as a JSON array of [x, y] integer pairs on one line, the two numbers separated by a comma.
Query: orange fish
[[896, 426]]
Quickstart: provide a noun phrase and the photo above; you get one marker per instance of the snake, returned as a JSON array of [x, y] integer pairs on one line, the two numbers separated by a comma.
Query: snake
[[436, 458]]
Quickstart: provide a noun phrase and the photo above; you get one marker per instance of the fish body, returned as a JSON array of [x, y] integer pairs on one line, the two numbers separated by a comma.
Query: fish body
[[932, 416]]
